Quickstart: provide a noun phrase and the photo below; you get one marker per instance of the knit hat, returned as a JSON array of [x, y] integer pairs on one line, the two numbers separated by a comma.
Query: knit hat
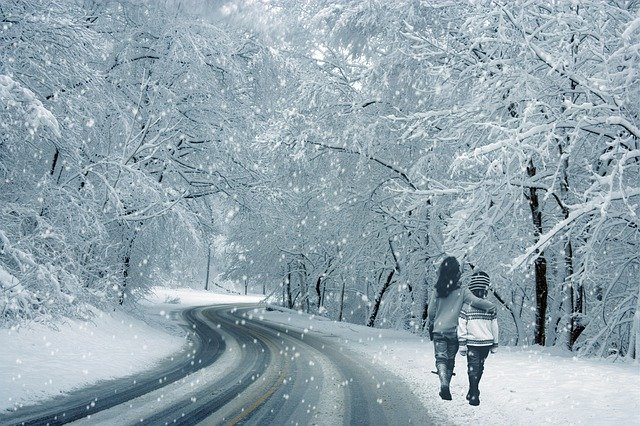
[[479, 281]]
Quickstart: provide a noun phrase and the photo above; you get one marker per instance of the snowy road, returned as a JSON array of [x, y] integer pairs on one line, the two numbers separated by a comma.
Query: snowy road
[[242, 369]]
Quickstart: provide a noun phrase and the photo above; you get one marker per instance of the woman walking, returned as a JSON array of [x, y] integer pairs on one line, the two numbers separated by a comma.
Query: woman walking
[[444, 309]]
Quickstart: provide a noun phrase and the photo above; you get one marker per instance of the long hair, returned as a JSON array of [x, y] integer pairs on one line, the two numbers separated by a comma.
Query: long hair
[[448, 277]]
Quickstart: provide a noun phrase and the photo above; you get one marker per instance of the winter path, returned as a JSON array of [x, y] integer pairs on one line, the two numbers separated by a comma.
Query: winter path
[[241, 369], [268, 375], [521, 385], [288, 365]]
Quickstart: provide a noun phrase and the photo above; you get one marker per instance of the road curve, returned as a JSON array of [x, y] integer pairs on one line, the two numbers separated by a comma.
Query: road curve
[[327, 384], [242, 370], [78, 404]]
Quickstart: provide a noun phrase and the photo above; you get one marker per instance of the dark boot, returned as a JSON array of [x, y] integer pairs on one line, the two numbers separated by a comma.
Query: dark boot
[[445, 393], [471, 386], [473, 396], [469, 393], [445, 377], [474, 400]]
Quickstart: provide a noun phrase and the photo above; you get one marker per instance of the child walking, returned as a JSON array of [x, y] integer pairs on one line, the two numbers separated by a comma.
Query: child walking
[[444, 309], [477, 335]]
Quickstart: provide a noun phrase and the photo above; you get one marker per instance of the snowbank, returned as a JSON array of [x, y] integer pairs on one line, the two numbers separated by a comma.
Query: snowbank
[[192, 297], [41, 362], [38, 362]]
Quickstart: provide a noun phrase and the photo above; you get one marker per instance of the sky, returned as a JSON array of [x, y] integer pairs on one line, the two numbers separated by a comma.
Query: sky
[[521, 385]]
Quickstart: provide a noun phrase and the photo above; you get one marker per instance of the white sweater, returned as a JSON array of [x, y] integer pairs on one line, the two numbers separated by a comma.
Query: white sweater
[[477, 327]]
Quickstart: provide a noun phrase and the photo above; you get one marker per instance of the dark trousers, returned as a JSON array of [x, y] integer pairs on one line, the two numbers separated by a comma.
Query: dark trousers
[[476, 355], [445, 347]]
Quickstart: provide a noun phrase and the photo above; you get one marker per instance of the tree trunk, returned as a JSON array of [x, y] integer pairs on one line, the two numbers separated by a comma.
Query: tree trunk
[[206, 281], [376, 303], [516, 319], [425, 314], [321, 285], [318, 295], [577, 304], [341, 300], [304, 287], [54, 162], [540, 265], [425, 307], [287, 284], [324, 293], [576, 295], [127, 266], [634, 337]]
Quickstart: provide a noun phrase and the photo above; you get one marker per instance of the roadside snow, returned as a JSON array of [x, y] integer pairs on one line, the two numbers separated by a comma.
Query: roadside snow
[[38, 362], [522, 386], [191, 297], [41, 362]]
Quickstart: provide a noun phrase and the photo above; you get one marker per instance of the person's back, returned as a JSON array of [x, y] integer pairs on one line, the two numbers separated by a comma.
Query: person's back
[[477, 335], [477, 327], [444, 309]]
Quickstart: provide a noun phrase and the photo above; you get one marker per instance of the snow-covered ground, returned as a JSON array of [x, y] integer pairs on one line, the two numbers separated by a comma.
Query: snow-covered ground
[[520, 385], [38, 362], [523, 386]]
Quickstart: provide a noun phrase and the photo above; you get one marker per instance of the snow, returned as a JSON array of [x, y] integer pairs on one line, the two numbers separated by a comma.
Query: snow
[[43, 362], [8, 281], [192, 297], [13, 94], [520, 386]]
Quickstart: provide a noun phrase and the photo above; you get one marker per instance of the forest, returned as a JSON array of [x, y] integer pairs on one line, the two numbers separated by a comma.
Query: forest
[[329, 154]]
